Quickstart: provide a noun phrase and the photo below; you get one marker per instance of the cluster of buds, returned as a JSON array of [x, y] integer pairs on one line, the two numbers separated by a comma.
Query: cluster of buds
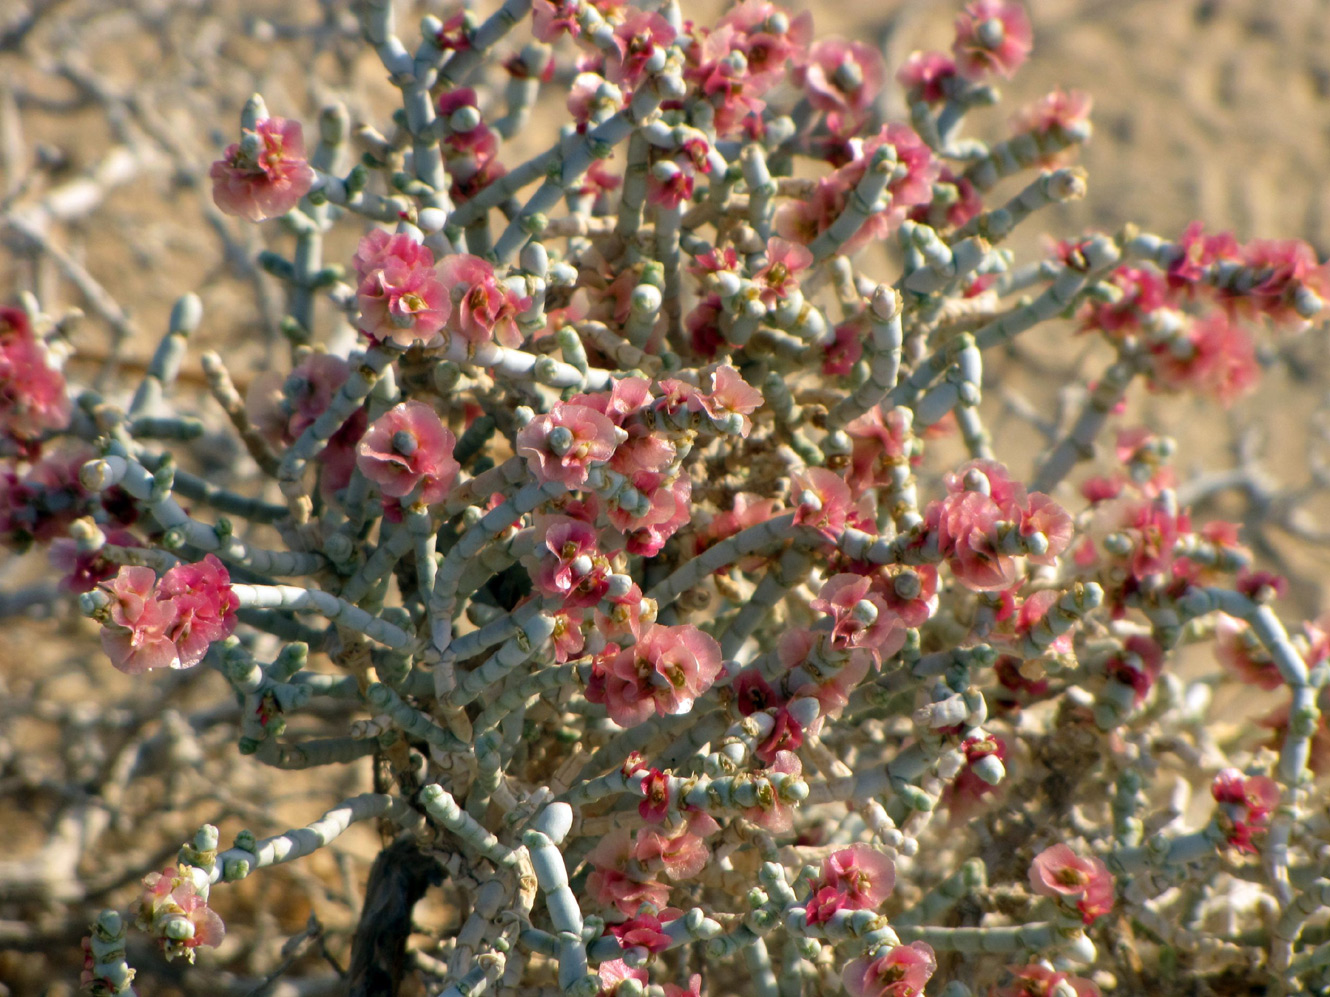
[[615, 507]]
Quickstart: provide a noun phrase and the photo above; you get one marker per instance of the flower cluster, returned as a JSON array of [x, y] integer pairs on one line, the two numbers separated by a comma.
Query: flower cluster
[[166, 623]]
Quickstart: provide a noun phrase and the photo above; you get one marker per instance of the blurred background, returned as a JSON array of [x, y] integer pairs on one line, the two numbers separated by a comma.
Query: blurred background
[[111, 112]]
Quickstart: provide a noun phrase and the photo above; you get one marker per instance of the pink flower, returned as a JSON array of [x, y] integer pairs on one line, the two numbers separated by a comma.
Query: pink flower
[[670, 184], [612, 972], [664, 672], [785, 260], [1213, 356], [578, 571], [32, 393], [637, 40], [283, 408], [552, 18], [680, 852], [1035, 980], [902, 972], [171, 894], [409, 446], [485, 308], [822, 500], [1198, 251], [1283, 268], [860, 618], [843, 78], [786, 735], [767, 50], [265, 174], [842, 353], [614, 882], [730, 84], [562, 444], [400, 295], [85, 571], [731, 396], [1143, 291], [656, 789], [1064, 111], [205, 609], [992, 36], [644, 931], [925, 75], [694, 988], [1137, 667], [1247, 803], [773, 813], [969, 790], [138, 638], [1060, 873], [854, 878]]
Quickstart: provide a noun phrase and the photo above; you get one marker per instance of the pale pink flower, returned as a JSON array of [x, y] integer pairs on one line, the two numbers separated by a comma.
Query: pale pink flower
[[680, 852], [992, 36], [843, 78], [664, 672], [138, 637], [1198, 251], [269, 183], [379, 246], [766, 51], [1060, 873], [406, 447], [613, 880], [562, 444], [205, 609], [636, 40], [729, 84], [902, 972], [485, 308]]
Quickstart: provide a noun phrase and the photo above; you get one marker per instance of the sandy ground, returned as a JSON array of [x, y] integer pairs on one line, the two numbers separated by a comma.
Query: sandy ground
[[1209, 109]]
